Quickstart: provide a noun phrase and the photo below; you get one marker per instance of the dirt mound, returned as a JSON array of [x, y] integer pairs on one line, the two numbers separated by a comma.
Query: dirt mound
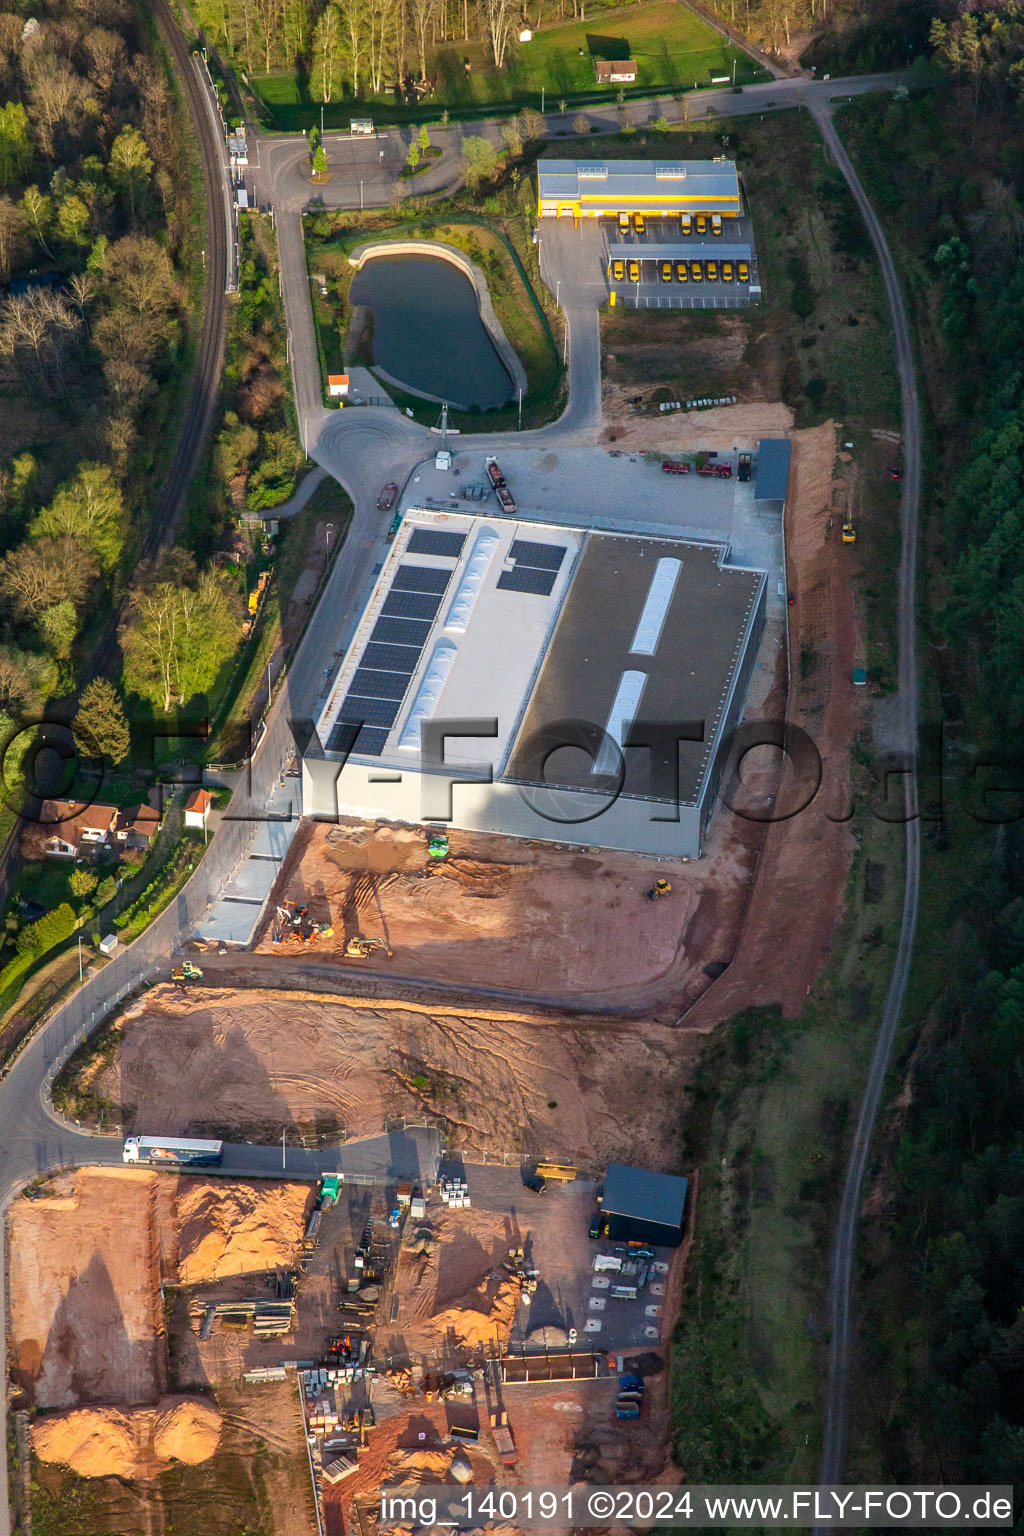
[[232, 1229], [187, 1430], [107, 1442], [94, 1442], [473, 1327]]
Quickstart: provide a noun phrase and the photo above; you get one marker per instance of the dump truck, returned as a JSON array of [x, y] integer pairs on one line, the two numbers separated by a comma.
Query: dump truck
[[506, 500], [630, 1397], [671, 467], [743, 473], [172, 1152]]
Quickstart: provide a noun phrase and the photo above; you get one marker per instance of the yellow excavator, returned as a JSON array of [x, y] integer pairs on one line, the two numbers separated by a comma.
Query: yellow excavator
[[357, 948]]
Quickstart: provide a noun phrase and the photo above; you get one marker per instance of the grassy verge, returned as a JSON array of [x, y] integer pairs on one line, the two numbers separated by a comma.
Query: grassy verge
[[771, 1117], [73, 1094], [247, 693], [674, 49], [500, 245]]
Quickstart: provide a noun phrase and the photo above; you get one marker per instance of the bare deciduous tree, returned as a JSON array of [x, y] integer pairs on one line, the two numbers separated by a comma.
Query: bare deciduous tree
[[326, 47], [13, 237], [43, 572], [500, 17]]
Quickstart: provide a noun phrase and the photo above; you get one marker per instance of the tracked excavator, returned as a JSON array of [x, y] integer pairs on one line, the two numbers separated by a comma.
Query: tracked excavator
[[358, 948]]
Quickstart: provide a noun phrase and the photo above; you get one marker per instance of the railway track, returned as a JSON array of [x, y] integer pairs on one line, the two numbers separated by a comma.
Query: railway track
[[202, 402]]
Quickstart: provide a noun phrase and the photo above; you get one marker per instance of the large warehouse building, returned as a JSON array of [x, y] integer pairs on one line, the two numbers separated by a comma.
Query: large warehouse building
[[596, 189], [540, 681]]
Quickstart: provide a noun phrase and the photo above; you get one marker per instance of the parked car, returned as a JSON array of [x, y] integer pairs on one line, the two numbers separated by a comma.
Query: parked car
[[686, 223], [638, 223], [682, 275], [634, 271], [712, 267], [666, 271], [727, 272], [716, 223], [702, 224], [534, 1182], [744, 272], [595, 1225], [696, 271], [618, 271], [624, 223]]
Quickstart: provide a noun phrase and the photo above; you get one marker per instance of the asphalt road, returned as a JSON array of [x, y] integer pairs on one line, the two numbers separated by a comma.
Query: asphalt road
[[363, 449], [838, 1382]]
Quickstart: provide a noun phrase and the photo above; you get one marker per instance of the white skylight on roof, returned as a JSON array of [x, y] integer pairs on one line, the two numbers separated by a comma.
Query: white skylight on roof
[[670, 172], [592, 172], [620, 718], [473, 578], [659, 596], [428, 694]]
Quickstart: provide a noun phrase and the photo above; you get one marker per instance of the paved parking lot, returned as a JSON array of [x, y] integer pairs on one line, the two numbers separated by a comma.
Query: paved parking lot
[[575, 261], [554, 1231], [594, 488]]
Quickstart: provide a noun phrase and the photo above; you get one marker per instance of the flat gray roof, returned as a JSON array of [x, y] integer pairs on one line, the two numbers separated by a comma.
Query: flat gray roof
[[683, 669], [697, 182], [696, 250], [772, 476], [643, 1195]]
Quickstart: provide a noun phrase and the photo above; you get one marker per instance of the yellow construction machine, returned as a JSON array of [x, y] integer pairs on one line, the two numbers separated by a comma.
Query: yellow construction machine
[[357, 948]]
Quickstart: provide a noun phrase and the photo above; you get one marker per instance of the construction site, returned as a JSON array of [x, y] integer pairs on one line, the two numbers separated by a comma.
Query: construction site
[[346, 1336]]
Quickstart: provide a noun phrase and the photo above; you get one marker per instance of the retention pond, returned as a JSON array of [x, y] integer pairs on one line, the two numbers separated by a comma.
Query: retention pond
[[427, 330]]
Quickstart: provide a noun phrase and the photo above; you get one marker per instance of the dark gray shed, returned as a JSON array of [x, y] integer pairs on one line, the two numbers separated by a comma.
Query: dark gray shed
[[644, 1207], [772, 469]]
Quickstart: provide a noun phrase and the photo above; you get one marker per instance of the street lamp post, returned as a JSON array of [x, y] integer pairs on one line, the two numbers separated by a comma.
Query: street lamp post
[[328, 531], [360, 197], [558, 285]]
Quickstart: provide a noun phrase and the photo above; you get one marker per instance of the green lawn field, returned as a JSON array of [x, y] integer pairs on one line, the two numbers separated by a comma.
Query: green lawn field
[[673, 47]]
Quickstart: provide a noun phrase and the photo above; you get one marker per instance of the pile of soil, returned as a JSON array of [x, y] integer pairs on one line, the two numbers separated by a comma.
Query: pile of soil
[[472, 1327], [109, 1442], [187, 1430], [94, 1442], [232, 1229]]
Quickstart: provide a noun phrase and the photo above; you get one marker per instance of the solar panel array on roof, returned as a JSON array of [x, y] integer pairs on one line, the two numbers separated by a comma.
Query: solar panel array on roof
[[410, 605], [401, 632], [420, 578], [544, 557], [381, 681], [435, 541], [524, 578]]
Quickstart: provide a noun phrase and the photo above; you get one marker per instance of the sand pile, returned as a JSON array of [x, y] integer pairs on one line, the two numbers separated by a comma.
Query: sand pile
[[186, 1429], [473, 1327], [232, 1229], [426, 1466], [106, 1442], [94, 1442]]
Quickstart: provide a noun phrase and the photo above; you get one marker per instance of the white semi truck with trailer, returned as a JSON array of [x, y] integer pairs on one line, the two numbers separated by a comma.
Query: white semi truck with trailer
[[172, 1151]]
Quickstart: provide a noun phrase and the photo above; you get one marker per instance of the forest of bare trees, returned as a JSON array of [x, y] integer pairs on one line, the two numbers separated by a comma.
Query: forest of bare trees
[[365, 46]]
